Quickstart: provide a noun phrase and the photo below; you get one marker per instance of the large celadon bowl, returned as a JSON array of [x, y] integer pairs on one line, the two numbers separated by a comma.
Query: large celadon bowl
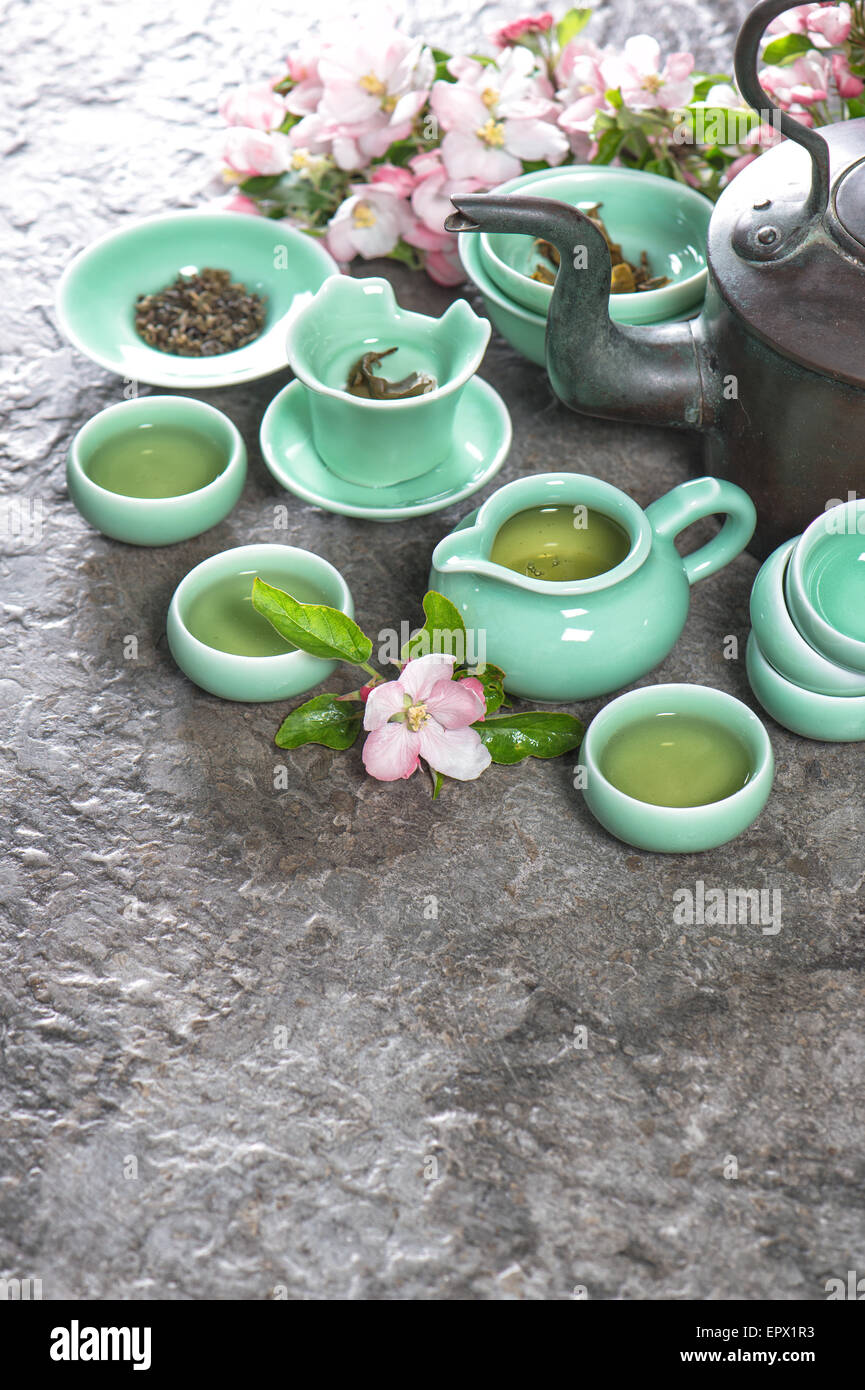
[[642, 212]]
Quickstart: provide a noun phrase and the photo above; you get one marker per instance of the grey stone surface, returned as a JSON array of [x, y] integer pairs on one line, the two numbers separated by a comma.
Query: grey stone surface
[[166, 912]]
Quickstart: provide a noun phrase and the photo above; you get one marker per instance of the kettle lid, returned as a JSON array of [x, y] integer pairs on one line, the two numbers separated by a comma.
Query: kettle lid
[[787, 241]]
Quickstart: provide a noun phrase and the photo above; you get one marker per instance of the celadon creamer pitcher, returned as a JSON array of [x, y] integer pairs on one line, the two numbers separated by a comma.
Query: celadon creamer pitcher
[[586, 637], [772, 373]]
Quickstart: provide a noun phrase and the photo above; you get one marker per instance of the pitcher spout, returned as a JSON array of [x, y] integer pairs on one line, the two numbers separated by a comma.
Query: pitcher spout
[[649, 374]]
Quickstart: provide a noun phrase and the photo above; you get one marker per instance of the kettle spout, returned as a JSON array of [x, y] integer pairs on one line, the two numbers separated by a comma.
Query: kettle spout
[[616, 371]]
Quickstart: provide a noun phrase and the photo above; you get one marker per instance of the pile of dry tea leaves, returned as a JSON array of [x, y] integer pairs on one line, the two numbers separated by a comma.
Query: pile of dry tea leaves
[[200, 315], [626, 278]]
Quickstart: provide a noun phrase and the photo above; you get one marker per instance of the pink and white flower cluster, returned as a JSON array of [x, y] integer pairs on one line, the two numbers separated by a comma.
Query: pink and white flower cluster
[[367, 138]]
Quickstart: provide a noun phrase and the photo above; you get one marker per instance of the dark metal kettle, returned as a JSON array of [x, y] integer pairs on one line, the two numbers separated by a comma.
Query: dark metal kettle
[[773, 371]]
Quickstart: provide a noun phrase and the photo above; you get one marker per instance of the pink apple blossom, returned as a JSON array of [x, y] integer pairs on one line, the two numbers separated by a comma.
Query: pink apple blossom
[[368, 223], [257, 107], [848, 84], [496, 115], [518, 29], [306, 92], [234, 202], [738, 165], [644, 84], [799, 84], [582, 92], [445, 267], [374, 85], [249, 151], [399, 180], [425, 714], [793, 21], [830, 22]]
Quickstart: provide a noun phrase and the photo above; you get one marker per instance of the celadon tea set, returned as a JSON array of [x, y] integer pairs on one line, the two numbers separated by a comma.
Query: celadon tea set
[[577, 591]]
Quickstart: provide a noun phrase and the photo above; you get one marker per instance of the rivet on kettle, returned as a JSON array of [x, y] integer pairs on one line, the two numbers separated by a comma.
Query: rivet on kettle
[[767, 235]]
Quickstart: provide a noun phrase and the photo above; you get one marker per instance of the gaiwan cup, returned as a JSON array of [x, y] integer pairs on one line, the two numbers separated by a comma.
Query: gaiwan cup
[[583, 638], [307, 577], [156, 520], [825, 584], [677, 829], [378, 443]]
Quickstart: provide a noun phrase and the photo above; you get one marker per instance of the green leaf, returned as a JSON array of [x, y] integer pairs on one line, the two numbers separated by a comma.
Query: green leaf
[[615, 98], [609, 145], [786, 49], [443, 631], [704, 82], [535, 734], [438, 784], [856, 106], [572, 23], [491, 678], [260, 183], [325, 719], [313, 627]]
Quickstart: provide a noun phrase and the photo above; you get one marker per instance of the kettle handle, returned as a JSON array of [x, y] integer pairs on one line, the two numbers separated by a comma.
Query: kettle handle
[[746, 60], [698, 498]]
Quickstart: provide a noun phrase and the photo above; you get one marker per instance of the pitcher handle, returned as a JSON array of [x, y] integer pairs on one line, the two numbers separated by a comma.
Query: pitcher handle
[[698, 498]]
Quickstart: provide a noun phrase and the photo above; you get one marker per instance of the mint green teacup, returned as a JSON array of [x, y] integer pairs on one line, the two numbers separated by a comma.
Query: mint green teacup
[[377, 443], [676, 829], [156, 520], [207, 601], [825, 584], [579, 639]]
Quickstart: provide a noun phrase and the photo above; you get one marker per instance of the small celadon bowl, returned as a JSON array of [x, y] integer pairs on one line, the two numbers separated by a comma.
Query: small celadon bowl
[[641, 211], [781, 641], [825, 718], [674, 829], [306, 576], [156, 520], [379, 443], [98, 291], [825, 584]]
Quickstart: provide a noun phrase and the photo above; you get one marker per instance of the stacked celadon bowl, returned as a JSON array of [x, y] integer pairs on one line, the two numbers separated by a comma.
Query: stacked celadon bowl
[[806, 651], [642, 212]]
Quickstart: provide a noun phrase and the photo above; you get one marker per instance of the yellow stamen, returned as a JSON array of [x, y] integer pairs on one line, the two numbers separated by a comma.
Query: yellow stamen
[[299, 159], [492, 133], [417, 717], [653, 82], [489, 97], [363, 215], [373, 85]]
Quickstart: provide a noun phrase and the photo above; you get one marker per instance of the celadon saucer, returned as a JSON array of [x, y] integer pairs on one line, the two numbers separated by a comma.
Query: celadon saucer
[[482, 433]]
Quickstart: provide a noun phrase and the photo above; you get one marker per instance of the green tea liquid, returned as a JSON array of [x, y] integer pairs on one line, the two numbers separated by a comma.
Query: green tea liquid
[[156, 461], [676, 760], [222, 616], [560, 543]]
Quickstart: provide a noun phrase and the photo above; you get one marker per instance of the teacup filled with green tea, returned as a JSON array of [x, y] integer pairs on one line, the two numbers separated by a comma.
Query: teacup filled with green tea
[[221, 614], [226, 646], [672, 759], [156, 469], [676, 768], [560, 543], [156, 460]]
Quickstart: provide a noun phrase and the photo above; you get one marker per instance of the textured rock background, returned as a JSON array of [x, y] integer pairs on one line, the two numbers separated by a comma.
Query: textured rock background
[[167, 913]]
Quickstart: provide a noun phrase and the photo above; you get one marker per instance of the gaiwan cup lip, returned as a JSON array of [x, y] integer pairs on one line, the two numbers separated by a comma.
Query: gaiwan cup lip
[[253, 678], [345, 293], [467, 550], [156, 520], [375, 443], [677, 829], [848, 518]]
